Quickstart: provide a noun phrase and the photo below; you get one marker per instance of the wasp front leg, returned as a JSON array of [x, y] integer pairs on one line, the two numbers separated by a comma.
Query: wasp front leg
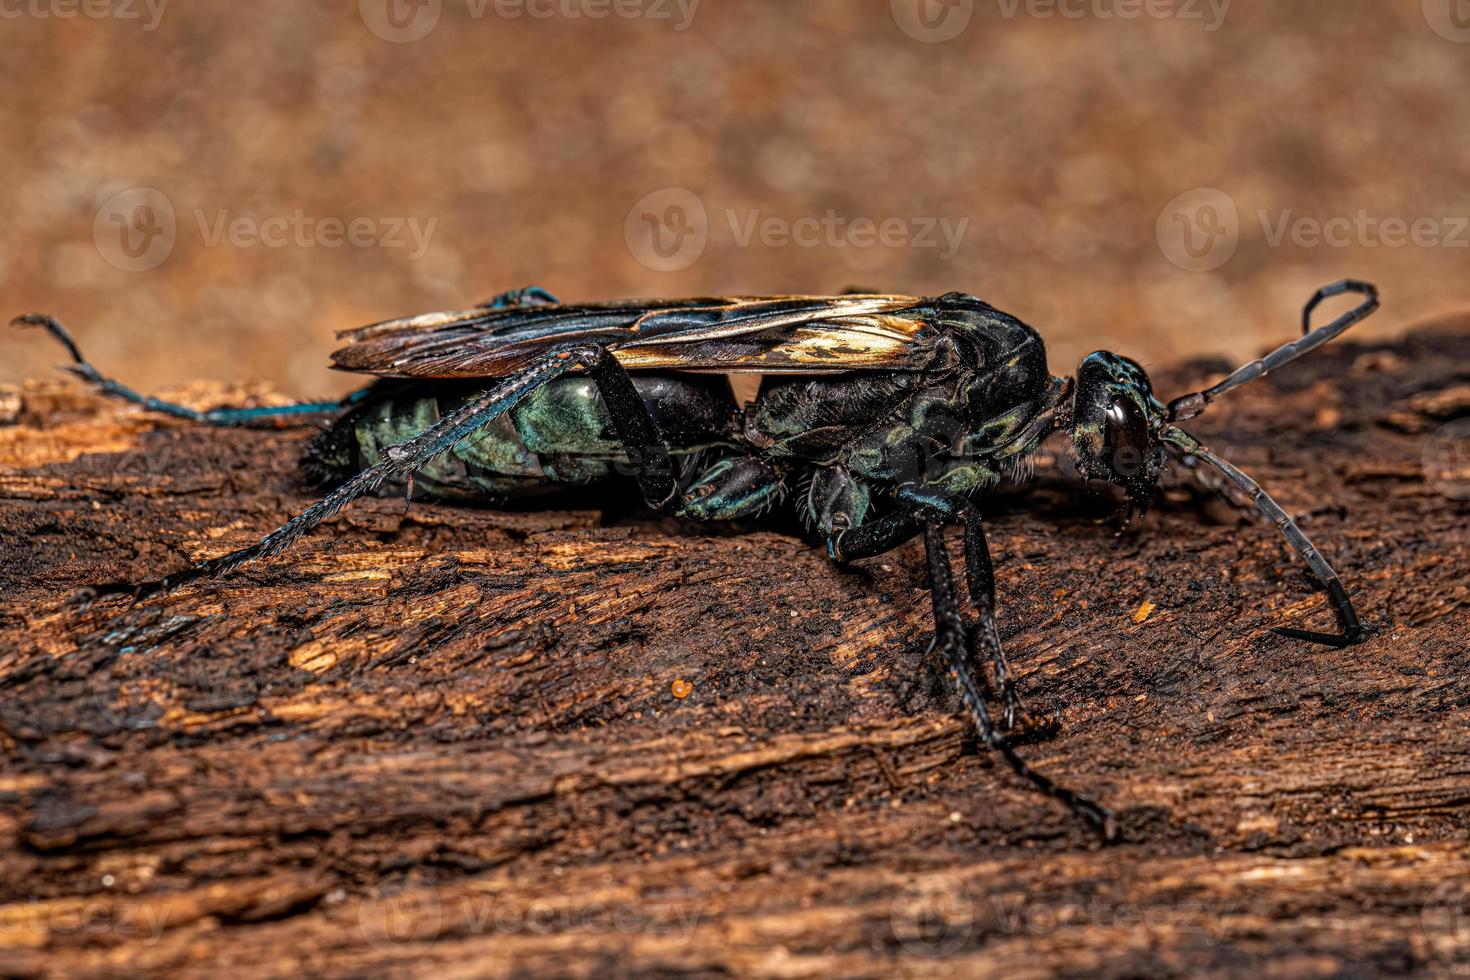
[[980, 577], [950, 640], [838, 507], [848, 539], [927, 511], [730, 489]]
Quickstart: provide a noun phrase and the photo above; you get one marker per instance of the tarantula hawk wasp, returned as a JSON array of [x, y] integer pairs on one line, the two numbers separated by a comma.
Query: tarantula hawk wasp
[[895, 412]]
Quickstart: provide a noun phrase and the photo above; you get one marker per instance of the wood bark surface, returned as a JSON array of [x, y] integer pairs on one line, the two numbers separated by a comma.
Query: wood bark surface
[[449, 743]]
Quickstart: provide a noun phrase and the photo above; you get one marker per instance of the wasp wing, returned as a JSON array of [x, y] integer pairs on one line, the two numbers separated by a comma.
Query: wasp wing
[[733, 335]]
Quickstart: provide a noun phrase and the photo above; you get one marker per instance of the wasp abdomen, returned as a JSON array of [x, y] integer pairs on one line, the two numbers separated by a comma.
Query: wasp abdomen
[[560, 435]]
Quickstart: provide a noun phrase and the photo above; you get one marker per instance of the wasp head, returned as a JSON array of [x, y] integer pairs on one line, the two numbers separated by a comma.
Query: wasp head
[[1116, 421]]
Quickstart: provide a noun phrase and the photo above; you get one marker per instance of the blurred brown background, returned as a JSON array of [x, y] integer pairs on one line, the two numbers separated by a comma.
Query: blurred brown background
[[531, 141]]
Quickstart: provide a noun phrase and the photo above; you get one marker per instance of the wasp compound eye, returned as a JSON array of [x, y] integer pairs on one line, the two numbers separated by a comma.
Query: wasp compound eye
[[1126, 438], [1115, 418]]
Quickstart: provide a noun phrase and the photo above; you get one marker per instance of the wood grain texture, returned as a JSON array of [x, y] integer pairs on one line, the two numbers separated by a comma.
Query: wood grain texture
[[447, 744]]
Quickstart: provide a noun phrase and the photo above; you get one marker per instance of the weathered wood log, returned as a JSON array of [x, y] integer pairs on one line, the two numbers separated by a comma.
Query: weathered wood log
[[449, 743]]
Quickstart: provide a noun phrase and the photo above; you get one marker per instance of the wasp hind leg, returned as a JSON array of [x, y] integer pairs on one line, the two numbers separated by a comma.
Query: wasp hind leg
[[225, 415], [397, 462], [733, 487]]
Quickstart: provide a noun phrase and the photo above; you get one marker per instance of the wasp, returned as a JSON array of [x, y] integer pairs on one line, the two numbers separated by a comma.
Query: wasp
[[881, 418]]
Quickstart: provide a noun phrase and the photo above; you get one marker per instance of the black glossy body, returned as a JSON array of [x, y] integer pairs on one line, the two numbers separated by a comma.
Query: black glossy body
[[973, 406]]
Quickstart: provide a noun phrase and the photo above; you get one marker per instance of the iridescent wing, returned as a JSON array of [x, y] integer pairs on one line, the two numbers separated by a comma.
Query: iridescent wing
[[733, 335]]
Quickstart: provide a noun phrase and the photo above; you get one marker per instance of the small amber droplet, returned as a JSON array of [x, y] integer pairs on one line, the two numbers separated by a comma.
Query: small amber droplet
[[1143, 612], [681, 688]]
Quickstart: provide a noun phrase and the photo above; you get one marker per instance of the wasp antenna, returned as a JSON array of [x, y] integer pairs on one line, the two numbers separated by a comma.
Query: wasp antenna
[[52, 326], [1188, 406], [224, 415], [1353, 630]]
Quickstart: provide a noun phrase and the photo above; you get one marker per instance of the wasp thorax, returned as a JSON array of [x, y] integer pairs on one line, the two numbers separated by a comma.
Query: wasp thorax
[[1115, 422]]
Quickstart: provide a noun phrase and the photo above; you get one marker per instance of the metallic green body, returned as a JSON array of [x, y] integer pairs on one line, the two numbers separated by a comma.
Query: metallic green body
[[560, 435]]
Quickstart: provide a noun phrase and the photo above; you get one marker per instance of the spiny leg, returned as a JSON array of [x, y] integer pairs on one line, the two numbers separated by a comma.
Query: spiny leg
[[732, 488], [980, 577], [648, 453], [1353, 631], [215, 416], [873, 537], [868, 539], [883, 534], [397, 461], [950, 640]]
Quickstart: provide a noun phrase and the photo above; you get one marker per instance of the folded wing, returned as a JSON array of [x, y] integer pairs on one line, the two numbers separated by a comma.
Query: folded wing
[[764, 335]]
